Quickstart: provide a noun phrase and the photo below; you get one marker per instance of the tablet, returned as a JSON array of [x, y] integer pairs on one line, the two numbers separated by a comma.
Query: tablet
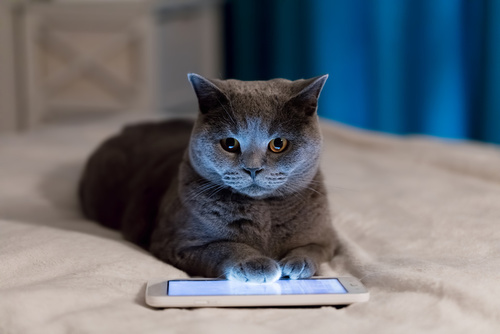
[[203, 292]]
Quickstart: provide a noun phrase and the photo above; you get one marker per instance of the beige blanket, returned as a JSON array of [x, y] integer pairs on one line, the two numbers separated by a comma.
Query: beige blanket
[[419, 218]]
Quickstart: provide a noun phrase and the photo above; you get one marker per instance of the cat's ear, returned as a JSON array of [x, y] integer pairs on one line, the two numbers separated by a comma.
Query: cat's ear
[[307, 98], [209, 95]]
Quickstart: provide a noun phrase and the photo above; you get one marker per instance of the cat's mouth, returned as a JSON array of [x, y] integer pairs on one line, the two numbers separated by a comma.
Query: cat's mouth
[[258, 187], [255, 190]]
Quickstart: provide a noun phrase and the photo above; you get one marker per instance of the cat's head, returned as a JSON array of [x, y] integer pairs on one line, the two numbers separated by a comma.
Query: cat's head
[[260, 138]]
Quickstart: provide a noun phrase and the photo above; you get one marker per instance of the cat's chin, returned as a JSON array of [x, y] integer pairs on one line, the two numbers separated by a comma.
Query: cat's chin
[[256, 191]]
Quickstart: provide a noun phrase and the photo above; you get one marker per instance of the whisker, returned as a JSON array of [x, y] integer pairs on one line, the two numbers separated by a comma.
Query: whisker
[[314, 190], [214, 192], [201, 190]]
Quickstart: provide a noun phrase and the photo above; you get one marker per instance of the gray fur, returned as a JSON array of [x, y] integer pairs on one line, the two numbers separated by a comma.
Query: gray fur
[[252, 215]]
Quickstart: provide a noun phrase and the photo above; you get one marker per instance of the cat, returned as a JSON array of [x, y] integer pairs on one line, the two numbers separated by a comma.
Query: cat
[[236, 194]]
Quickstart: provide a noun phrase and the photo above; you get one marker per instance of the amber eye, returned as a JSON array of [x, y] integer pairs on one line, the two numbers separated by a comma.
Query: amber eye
[[278, 145], [230, 145]]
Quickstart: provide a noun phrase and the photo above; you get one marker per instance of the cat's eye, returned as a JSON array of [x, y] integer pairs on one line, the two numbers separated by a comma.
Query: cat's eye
[[278, 145], [230, 144]]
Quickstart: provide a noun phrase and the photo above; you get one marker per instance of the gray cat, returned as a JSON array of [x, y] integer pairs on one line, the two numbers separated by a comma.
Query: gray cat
[[236, 194]]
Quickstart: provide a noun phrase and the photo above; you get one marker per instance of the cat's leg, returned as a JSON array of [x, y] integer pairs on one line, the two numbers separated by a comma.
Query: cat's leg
[[303, 262], [258, 269], [231, 260]]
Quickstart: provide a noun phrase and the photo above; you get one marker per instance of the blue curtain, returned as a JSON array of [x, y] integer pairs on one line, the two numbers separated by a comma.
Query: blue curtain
[[400, 66]]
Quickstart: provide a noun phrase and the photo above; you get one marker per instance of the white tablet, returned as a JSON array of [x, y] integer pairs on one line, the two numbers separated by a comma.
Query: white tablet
[[203, 292]]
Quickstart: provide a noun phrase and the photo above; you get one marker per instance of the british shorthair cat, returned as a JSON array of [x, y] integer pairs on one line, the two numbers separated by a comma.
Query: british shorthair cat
[[236, 194]]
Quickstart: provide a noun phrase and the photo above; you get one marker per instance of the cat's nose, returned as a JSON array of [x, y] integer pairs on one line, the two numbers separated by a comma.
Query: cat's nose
[[252, 171]]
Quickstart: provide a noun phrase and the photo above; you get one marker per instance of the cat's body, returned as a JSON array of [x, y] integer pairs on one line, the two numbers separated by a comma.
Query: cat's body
[[237, 194]]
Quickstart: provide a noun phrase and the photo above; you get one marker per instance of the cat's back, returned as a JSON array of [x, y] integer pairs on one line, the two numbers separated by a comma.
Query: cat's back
[[140, 160], [150, 136]]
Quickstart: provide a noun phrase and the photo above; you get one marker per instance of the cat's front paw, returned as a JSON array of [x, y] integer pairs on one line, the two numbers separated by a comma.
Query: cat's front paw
[[255, 270], [296, 267]]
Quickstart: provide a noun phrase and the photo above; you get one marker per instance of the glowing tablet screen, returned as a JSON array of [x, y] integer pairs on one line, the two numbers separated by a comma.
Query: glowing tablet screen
[[234, 288]]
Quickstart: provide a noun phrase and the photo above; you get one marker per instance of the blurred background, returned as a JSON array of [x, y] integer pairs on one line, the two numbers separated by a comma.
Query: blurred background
[[399, 66]]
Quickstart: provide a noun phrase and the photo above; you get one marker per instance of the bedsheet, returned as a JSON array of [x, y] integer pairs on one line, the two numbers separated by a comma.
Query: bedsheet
[[419, 220]]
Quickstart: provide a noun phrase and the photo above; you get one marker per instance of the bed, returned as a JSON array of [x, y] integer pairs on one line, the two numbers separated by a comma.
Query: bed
[[419, 220]]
